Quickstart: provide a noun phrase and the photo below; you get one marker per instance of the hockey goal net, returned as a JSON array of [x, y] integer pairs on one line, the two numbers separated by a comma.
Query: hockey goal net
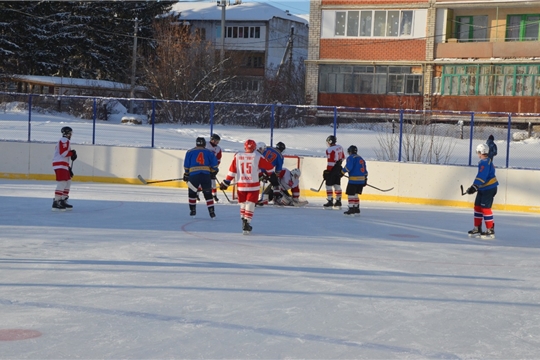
[[289, 162]]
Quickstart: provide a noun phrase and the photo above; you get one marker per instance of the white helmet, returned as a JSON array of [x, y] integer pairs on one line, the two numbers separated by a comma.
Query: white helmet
[[295, 173], [261, 146], [482, 149]]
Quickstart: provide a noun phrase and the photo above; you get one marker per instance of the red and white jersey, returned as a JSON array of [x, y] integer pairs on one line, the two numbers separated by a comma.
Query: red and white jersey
[[245, 168], [286, 181], [334, 154], [62, 152], [216, 150]]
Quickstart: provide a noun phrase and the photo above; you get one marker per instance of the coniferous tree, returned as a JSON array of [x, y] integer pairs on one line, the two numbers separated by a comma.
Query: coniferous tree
[[74, 38]]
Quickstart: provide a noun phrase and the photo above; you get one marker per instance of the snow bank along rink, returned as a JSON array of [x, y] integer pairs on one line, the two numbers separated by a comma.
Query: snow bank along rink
[[128, 274]]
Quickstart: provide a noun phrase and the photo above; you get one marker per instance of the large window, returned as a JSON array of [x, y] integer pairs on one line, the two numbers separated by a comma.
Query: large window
[[374, 23], [240, 32], [472, 28], [523, 27], [491, 80], [353, 79]]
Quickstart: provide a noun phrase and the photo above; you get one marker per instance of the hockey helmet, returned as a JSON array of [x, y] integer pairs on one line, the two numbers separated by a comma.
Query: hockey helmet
[[331, 140], [295, 173], [482, 149], [261, 146], [250, 146], [352, 150], [280, 146], [200, 142], [66, 130], [215, 137]]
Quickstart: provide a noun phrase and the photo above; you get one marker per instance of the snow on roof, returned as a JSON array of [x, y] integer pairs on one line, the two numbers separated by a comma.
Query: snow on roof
[[252, 11], [65, 81]]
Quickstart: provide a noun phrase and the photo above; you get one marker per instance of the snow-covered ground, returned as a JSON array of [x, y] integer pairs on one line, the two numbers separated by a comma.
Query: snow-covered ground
[[300, 141], [129, 275]]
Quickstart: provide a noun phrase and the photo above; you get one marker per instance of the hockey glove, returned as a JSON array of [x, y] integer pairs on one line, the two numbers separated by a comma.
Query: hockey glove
[[186, 176], [325, 174], [472, 189], [224, 185], [213, 174], [73, 155]]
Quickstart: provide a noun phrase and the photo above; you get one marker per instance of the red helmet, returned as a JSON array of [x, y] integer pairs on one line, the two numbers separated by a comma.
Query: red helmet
[[250, 146]]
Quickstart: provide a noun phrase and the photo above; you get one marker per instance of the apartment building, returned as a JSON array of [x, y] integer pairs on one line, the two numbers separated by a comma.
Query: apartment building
[[479, 55], [257, 37]]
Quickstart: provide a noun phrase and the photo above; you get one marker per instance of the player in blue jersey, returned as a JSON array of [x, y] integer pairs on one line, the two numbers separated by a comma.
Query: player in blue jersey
[[485, 185], [274, 155], [356, 167], [200, 167]]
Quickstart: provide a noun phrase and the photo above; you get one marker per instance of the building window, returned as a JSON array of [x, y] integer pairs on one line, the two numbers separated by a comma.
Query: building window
[[254, 61], [523, 27], [472, 28], [242, 32], [200, 33], [491, 80], [353, 79], [379, 23], [244, 85]]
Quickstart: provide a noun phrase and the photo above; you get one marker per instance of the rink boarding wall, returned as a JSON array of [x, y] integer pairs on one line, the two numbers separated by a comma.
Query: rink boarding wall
[[412, 183]]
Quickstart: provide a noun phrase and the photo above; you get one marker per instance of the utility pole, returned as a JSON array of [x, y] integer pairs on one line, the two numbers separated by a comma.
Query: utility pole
[[223, 4], [133, 65]]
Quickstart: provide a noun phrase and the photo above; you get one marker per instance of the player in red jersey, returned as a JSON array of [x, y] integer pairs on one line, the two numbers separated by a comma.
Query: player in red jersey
[[334, 156], [62, 169], [245, 168]]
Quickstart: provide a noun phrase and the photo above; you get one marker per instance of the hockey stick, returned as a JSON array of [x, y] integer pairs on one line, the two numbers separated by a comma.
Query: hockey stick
[[383, 190], [156, 181], [320, 186], [374, 187], [224, 193], [462, 192], [71, 170]]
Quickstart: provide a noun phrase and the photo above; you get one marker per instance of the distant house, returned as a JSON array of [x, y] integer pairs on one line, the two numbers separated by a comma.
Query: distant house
[[259, 37], [53, 85]]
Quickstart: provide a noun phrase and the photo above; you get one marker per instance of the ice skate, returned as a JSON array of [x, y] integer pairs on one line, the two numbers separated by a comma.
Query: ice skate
[[337, 204], [192, 210], [475, 232], [246, 227], [212, 212], [66, 205], [352, 211], [216, 200], [58, 206], [489, 233], [328, 205]]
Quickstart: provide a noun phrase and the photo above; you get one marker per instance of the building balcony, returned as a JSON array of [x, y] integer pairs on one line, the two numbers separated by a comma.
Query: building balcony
[[487, 50]]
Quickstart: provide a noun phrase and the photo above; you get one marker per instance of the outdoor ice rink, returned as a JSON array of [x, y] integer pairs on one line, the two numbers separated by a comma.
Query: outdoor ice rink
[[129, 275]]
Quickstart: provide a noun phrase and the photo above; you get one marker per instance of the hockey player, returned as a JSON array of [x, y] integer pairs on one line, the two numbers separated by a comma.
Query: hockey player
[[332, 174], [200, 168], [492, 147], [213, 146], [274, 155], [245, 167], [62, 169], [261, 146], [485, 186], [356, 167], [290, 180]]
